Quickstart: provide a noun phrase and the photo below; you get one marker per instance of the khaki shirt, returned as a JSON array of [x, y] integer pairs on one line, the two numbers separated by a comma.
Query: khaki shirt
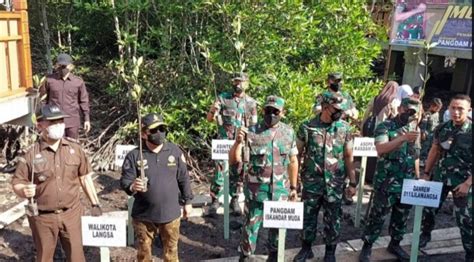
[[56, 174]]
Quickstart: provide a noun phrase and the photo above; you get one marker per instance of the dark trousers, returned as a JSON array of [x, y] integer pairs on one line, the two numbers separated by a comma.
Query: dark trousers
[[72, 132]]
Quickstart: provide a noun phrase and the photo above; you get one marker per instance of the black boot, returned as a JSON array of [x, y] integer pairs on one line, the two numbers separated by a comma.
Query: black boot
[[424, 239], [272, 256], [365, 253], [243, 258], [305, 253], [235, 207], [212, 211], [395, 248], [330, 254], [468, 257]]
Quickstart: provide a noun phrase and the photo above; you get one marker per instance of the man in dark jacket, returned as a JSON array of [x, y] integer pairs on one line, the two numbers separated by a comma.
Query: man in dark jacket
[[158, 197]]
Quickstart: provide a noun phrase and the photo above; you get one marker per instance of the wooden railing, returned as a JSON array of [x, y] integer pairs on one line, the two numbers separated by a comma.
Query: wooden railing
[[15, 54]]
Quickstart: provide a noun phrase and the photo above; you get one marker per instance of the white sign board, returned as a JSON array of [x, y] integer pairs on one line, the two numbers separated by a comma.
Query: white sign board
[[221, 148], [364, 146], [120, 152], [104, 231], [421, 192], [282, 214]]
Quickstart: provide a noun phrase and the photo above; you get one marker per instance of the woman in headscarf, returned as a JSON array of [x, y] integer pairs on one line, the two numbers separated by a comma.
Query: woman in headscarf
[[383, 106]]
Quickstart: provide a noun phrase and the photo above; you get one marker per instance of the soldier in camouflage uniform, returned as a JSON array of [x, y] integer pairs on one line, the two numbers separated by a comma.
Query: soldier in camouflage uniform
[[334, 86], [231, 110], [272, 168], [348, 107], [325, 142], [451, 156], [398, 147], [428, 123]]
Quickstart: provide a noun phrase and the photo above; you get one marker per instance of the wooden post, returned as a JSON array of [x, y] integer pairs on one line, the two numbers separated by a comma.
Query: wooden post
[[226, 199], [281, 244], [360, 191], [104, 254], [130, 231], [416, 234]]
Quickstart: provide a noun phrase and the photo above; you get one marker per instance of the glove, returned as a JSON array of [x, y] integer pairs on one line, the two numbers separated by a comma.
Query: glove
[[96, 211]]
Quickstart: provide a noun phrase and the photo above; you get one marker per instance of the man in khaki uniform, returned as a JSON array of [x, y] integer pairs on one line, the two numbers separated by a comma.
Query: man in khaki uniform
[[51, 173]]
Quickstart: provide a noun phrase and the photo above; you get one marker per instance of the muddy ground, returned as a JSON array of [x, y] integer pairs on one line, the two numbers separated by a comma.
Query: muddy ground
[[201, 237]]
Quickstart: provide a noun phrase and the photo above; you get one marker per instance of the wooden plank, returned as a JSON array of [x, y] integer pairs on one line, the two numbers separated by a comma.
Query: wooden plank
[[10, 38], [10, 15], [14, 65], [3, 70], [26, 71], [20, 4], [445, 250], [12, 214]]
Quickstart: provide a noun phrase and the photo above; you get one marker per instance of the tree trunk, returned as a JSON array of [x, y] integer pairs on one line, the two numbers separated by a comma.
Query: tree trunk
[[46, 35]]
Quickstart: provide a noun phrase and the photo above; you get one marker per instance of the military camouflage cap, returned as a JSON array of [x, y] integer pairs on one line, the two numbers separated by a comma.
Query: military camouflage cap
[[335, 75], [437, 101], [334, 99], [411, 103], [151, 121], [275, 102], [240, 77]]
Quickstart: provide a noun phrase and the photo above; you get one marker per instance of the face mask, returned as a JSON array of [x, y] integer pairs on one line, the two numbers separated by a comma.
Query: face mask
[[336, 115], [335, 86], [238, 88], [271, 119], [406, 118], [63, 71], [56, 131], [157, 139]]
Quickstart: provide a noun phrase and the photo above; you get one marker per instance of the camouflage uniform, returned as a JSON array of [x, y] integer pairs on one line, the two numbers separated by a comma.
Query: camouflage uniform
[[392, 168], [234, 112], [454, 167], [428, 123], [267, 178], [323, 174]]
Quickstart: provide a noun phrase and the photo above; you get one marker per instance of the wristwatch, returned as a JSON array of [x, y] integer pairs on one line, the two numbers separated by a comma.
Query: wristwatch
[[96, 205], [292, 187], [353, 184]]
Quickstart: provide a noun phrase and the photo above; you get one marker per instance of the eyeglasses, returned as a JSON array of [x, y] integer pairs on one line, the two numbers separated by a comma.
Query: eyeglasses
[[155, 130]]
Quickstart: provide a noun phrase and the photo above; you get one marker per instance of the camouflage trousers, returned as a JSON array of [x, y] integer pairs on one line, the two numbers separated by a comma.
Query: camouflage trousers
[[463, 211], [332, 212], [253, 221], [383, 203], [217, 185], [145, 233]]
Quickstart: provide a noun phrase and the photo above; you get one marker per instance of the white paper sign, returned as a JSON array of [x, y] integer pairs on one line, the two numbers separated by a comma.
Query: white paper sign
[[364, 146], [421, 192], [221, 148], [282, 214], [120, 152], [104, 231]]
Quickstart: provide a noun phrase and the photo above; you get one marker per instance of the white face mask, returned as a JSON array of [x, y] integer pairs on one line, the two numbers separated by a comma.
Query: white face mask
[[56, 131]]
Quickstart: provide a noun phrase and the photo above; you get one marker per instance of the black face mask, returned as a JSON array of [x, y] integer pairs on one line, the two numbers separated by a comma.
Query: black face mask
[[335, 86], [406, 118], [157, 138], [336, 115], [63, 71], [238, 89], [271, 119]]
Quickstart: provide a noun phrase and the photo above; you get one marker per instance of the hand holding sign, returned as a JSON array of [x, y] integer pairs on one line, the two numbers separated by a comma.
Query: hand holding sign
[[293, 195]]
